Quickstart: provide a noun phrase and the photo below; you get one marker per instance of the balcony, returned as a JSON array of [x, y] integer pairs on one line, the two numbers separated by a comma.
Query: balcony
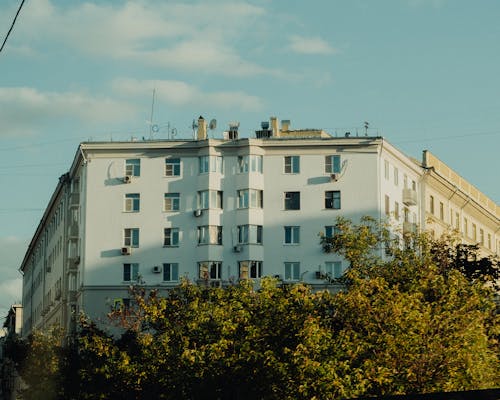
[[409, 197], [73, 230], [74, 199], [409, 228]]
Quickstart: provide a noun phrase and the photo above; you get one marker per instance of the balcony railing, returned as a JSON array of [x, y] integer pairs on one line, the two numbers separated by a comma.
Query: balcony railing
[[409, 197]]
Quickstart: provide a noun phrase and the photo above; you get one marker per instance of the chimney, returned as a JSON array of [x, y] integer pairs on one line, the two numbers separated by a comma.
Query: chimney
[[285, 125], [274, 126], [202, 129]]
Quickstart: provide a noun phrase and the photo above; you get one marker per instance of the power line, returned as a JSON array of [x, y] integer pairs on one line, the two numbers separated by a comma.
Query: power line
[[12, 25]]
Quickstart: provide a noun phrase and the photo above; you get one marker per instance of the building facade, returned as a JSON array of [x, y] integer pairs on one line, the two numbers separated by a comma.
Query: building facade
[[211, 210]]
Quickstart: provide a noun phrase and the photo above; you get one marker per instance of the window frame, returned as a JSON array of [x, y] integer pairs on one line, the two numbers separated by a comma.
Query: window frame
[[133, 167], [334, 269], [333, 202], [292, 198], [333, 164], [172, 270], [292, 271], [206, 198], [292, 235], [171, 237], [130, 271], [131, 202], [210, 235], [291, 165], [210, 270], [173, 167], [131, 237], [253, 269], [210, 163], [249, 234], [175, 201]]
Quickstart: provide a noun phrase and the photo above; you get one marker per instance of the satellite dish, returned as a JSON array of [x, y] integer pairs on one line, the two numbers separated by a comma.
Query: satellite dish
[[155, 128], [213, 124]]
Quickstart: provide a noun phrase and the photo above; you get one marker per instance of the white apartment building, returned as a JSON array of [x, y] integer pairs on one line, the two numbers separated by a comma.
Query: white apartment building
[[211, 210]]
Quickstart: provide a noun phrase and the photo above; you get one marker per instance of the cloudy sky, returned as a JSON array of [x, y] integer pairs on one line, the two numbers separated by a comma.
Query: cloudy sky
[[423, 73]]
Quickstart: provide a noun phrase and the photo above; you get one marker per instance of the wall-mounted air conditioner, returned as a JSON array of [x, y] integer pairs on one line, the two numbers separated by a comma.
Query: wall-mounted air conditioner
[[127, 179], [157, 269], [334, 177], [237, 248], [197, 213], [126, 251]]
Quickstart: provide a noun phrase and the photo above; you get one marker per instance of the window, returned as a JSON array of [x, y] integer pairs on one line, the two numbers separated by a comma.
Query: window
[[386, 169], [172, 167], [405, 181], [171, 237], [396, 210], [406, 214], [250, 234], [210, 234], [334, 269], [210, 164], [441, 211], [132, 202], [396, 176], [332, 164], [172, 202], [466, 227], [457, 221], [387, 206], [331, 231], [474, 233], [292, 271], [481, 237], [292, 164], [209, 199], [489, 241], [130, 272], [170, 272], [292, 234], [250, 269], [292, 200], [431, 204], [250, 198], [252, 163], [131, 237], [210, 269], [332, 199], [133, 167]]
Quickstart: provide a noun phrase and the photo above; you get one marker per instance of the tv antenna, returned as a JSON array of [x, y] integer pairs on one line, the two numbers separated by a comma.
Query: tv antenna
[[153, 128]]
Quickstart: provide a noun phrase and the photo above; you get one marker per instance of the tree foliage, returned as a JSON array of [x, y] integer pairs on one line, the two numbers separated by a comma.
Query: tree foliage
[[407, 323]]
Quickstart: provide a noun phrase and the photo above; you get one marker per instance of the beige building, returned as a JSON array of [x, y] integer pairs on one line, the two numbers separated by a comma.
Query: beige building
[[219, 210], [453, 204]]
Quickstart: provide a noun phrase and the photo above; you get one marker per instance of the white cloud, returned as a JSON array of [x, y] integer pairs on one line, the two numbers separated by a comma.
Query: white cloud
[[180, 93], [24, 109], [198, 37], [310, 45]]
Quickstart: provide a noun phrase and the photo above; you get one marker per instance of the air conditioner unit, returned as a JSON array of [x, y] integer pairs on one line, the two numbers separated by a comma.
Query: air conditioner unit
[[127, 179], [334, 177], [126, 251], [157, 269], [320, 275], [197, 213], [237, 249]]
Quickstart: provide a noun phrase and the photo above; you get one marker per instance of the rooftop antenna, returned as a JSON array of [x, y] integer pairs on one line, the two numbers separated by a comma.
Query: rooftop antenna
[[153, 128], [194, 126], [212, 125], [367, 124]]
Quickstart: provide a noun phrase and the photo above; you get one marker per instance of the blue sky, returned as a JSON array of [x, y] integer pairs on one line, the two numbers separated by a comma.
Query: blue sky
[[424, 73]]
